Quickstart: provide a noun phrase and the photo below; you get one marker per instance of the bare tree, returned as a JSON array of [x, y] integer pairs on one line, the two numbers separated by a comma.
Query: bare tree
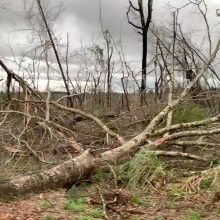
[[142, 29], [109, 53], [65, 80]]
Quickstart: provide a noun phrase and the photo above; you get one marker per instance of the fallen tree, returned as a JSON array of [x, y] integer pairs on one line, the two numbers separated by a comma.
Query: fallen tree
[[85, 164]]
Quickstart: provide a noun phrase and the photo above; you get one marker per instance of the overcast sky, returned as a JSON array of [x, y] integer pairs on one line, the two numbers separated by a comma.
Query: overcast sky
[[80, 18]]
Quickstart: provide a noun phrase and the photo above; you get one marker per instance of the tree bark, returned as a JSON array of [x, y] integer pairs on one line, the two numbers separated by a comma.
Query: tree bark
[[69, 98], [142, 28], [62, 175]]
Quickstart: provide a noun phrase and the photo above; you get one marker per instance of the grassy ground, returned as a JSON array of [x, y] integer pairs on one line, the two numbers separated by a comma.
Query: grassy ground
[[156, 191]]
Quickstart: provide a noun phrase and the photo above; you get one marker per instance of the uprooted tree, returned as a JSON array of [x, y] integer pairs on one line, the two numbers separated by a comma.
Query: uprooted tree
[[88, 161]]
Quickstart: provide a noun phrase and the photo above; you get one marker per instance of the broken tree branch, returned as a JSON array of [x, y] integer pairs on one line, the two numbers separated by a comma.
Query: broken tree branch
[[190, 134], [194, 143], [186, 125], [177, 154], [87, 115]]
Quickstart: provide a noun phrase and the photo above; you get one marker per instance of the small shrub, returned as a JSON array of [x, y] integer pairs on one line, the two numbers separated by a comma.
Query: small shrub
[[144, 169], [77, 205]]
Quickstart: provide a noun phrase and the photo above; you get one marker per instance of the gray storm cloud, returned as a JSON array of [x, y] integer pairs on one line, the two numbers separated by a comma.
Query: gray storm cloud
[[80, 18]]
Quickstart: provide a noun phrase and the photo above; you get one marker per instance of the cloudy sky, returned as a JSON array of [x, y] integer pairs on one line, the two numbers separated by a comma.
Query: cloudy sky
[[80, 18]]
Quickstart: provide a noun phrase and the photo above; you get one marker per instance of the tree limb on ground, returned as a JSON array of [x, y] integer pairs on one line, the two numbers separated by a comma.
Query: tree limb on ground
[[194, 143], [186, 125], [177, 154]]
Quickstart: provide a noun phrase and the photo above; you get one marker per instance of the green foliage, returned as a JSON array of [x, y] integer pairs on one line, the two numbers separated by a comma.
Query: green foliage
[[177, 193], [206, 183], [47, 217], [97, 213], [136, 200], [77, 205], [144, 169], [193, 215], [100, 175], [188, 115]]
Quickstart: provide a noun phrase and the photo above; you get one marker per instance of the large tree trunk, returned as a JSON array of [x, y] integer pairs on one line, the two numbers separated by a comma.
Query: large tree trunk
[[71, 171], [62, 175]]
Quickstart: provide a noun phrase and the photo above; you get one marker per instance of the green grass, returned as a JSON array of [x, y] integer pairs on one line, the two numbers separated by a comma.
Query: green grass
[[206, 183], [76, 205], [141, 171], [177, 193], [136, 200], [139, 198], [100, 175], [189, 114], [193, 215], [97, 213]]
